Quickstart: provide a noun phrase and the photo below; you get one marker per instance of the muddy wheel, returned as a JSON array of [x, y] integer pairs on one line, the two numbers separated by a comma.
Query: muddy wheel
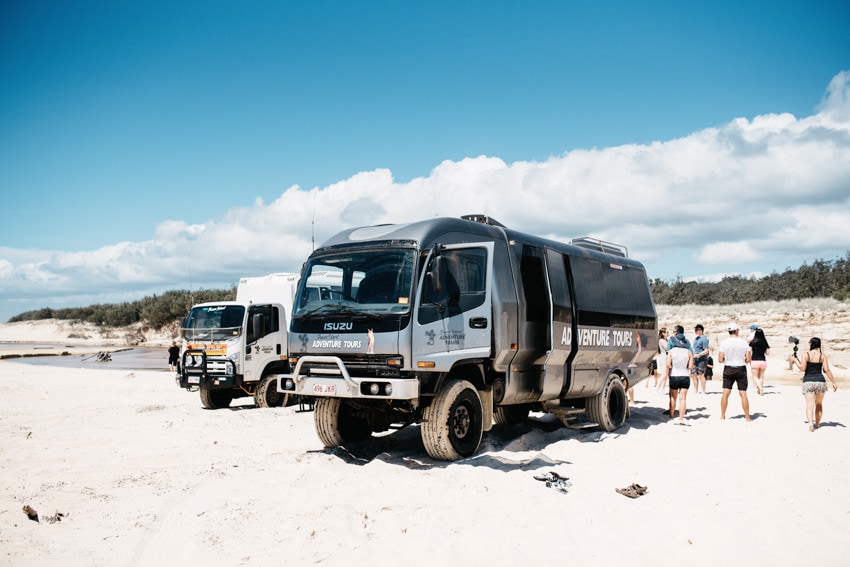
[[337, 423], [609, 407], [453, 424], [510, 415], [216, 398], [266, 394]]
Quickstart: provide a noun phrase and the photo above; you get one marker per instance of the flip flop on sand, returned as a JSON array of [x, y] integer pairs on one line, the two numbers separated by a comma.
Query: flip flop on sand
[[555, 481], [562, 485], [549, 477]]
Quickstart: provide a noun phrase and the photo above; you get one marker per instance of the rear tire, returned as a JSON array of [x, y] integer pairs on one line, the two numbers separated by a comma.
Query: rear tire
[[453, 424], [337, 423], [216, 398], [266, 394], [510, 415], [609, 407]]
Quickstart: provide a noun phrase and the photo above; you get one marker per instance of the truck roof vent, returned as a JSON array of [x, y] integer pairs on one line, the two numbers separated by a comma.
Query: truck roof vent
[[483, 219], [601, 246]]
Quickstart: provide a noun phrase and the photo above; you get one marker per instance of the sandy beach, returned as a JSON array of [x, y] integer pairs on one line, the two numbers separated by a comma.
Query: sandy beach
[[124, 468]]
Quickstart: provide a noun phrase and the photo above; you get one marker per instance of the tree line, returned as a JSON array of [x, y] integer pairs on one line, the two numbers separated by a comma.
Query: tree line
[[154, 311], [823, 278]]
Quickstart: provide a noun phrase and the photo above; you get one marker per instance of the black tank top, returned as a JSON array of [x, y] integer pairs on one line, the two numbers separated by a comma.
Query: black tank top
[[814, 372]]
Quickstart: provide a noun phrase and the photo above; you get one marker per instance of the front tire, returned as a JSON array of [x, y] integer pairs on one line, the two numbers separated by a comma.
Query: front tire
[[609, 407], [453, 424], [337, 423], [216, 398], [266, 394]]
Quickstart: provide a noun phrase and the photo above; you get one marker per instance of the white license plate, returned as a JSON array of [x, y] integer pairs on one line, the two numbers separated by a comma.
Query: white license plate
[[194, 379], [324, 388]]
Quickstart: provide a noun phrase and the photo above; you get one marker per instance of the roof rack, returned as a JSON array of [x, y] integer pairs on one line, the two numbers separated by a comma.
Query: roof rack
[[483, 219], [601, 246]]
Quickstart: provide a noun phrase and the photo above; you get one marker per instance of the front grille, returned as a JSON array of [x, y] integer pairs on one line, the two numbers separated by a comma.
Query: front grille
[[359, 365]]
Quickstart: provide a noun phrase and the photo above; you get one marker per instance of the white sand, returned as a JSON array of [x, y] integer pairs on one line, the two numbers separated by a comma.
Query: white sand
[[145, 476]]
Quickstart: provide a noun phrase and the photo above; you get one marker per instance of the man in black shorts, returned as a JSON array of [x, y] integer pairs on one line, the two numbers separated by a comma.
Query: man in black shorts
[[734, 355]]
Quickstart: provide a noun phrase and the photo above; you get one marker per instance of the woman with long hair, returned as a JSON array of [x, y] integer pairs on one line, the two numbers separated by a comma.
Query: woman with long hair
[[758, 363], [814, 365]]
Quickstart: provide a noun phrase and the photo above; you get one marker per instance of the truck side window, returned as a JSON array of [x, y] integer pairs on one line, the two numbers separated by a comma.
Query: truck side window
[[464, 288], [271, 322]]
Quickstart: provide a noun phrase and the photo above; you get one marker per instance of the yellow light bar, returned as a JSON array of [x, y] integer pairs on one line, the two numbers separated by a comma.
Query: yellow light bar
[[426, 364]]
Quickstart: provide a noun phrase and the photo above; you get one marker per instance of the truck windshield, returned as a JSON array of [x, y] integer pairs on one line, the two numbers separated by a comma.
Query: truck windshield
[[372, 281], [213, 323]]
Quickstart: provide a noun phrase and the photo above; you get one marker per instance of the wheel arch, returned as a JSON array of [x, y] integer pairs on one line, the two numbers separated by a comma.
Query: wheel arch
[[471, 370]]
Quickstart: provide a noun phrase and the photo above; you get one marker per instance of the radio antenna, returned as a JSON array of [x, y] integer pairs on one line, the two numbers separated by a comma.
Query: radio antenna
[[313, 224]]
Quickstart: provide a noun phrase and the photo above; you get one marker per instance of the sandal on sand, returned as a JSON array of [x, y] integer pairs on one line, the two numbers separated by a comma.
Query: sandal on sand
[[630, 492]]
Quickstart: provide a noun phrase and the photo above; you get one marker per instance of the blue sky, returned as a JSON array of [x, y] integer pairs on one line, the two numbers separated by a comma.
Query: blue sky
[[176, 145]]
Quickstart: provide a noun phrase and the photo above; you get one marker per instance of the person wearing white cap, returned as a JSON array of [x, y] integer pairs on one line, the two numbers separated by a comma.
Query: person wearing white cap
[[734, 354]]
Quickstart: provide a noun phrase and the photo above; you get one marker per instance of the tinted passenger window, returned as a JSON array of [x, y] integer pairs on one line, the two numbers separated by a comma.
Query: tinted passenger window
[[464, 286], [270, 320]]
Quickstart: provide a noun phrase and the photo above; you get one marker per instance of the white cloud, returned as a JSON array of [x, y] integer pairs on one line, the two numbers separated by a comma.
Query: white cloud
[[771, 190], [836, 102], [727, 253]]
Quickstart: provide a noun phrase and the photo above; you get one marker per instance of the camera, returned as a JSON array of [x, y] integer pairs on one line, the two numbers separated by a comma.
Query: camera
[[796, 342]]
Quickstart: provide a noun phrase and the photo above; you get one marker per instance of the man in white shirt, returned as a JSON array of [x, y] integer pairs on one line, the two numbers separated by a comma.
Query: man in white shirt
[[734, 355]]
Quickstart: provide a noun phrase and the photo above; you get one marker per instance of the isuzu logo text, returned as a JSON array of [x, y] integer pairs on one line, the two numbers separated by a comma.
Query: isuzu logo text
[[339, 326]]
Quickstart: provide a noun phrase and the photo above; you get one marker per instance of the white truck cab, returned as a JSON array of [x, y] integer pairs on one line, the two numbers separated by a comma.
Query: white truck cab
[[237, 348]]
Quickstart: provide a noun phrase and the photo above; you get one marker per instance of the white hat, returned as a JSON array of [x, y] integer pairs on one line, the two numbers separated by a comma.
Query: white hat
[[733, 327]]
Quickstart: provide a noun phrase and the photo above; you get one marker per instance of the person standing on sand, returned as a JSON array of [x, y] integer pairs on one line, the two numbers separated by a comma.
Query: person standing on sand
[[661, 379], [680, 361], [814, 365], [734, 354], [701, 352], [759, 348], [173, 356], [679, 339]]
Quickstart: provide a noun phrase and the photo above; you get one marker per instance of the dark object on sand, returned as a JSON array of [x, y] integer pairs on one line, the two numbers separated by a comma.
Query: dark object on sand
[[31, 514]]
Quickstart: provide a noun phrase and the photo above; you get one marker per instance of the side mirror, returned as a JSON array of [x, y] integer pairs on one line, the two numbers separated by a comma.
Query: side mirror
[[437, 275], [258, 326]]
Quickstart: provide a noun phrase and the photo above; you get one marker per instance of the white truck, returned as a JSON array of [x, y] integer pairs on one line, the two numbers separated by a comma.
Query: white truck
[[456, 323], [233, 349]]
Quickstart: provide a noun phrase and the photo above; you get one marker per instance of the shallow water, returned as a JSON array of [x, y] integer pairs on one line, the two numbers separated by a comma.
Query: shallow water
[[137, 358]]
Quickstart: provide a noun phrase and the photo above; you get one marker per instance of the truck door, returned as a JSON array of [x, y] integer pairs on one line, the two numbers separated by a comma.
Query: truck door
[[557, 367], [454, 319], [263, 342]]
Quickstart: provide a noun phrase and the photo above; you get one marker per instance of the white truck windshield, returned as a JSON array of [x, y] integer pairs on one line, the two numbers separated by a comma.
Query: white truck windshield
[[213, 322]]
